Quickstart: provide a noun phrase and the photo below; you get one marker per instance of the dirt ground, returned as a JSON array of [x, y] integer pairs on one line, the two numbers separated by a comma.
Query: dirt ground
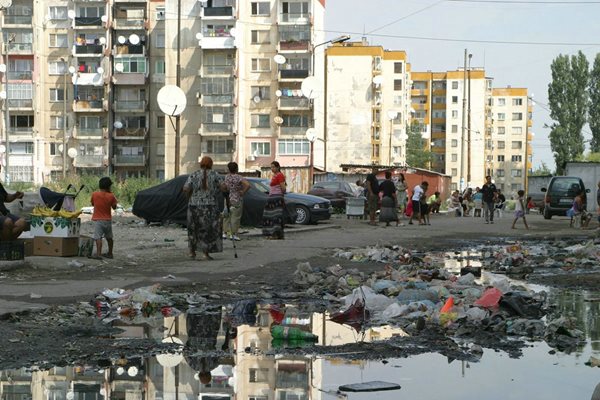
[[45, 316]]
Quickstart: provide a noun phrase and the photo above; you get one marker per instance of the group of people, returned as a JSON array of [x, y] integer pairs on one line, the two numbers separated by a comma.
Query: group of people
[[473, 201]]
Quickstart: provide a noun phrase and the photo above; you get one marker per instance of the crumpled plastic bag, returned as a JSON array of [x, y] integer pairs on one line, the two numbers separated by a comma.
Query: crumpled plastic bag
[[489, 299]]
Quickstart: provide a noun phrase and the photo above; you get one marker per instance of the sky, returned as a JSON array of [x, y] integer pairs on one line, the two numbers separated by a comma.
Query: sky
[[514, 40]]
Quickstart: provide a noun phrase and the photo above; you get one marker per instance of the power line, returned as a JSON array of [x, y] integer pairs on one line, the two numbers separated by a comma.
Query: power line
[[405, 17], [523, 2]]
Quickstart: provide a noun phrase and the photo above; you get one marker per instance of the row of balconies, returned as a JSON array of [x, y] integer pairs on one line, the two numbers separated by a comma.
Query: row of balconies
[[118, 133], [100, 160], [118, 105]]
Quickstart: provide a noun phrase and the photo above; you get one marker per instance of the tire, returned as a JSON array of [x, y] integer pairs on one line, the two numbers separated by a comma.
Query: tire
[[302, 215], [547, 214]]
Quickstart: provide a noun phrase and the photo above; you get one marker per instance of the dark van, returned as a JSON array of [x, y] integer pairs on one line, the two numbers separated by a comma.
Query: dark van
[[560, 194]]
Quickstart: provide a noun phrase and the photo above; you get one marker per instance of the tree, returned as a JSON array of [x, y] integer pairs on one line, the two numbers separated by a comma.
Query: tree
[[541, 170], [417, 154], [594, 105], [568, 101]]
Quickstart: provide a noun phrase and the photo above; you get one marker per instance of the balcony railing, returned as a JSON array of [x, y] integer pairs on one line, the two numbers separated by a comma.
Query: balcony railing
[[216, 99], [129, 49], [87, 21], [89, 161], [20, 103], [20, 48], [219, 157], [128, 23], [96, 133], [293, 73], [18, 19], [129, 160], [218, 11], [128, 105], [20, 75], [89, 49], [297, 18], [217, 128], [87, 105], [293, 102], [290, 45], [217, 70], [21, 131], [293, 130], [128, 133]]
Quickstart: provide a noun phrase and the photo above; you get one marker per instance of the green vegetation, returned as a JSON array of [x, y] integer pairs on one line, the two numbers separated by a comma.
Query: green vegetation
[[417, 155], [542, 170]]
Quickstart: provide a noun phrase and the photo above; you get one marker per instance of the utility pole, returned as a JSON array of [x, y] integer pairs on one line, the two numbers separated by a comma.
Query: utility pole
[[469, 124], [464, 127], [64, 138], [178, 83], [4, 4]]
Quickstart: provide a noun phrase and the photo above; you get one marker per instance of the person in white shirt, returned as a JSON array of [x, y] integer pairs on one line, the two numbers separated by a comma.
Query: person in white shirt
[[418, 192]]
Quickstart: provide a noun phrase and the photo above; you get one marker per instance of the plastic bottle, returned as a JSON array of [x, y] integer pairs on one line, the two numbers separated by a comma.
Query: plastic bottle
[[291, 333]]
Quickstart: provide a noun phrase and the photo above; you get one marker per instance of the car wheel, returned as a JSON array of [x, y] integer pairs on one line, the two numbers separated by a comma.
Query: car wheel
[[547, 214], [302, 215]]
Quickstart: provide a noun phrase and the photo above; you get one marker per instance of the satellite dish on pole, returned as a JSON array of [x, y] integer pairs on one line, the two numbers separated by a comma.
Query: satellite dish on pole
[[134, 39], [199, 36], [256, 99], [279, 59], [72, 152], [104, 18], [392, 114], [118, 124], [102, 40], [71, 14], [171, 100], [378, 80], [311, 134], [310, 87], [60, 148], [119, 67], [278, 93], [2, 68], [5, 3], [3, 94], [278, 120], [171, 359], [121, 39]]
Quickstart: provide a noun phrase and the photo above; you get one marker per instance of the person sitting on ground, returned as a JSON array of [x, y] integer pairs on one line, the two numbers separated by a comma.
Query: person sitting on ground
[[455, 203], [12, 225], [467, 201], [500, 200], [576, 208], [434, 202]]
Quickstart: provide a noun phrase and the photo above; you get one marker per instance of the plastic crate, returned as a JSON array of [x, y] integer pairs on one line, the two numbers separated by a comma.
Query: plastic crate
[[13, 250], [355, 206]]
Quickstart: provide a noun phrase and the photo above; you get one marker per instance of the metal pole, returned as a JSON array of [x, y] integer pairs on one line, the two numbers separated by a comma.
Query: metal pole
[[6, 115], [64, 139], [390, 146], [469, 125], [526, 170], [464, 117], [312, 164], [178, 83]]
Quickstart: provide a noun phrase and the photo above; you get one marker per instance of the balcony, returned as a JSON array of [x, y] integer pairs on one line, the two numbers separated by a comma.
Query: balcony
[[210, 70], [89, 133], [294, 45], [217, 128], [130, 78], [20, 132], [295, 18], [87, 106], [89, 161], [95, 50], [130, 133], [20, 48], [293, 103], [219, 158], [19, 75], [128, 23], [293, 130], [226, 12], [122, 160], [25, 104], [216, 99], [125, 49], [18, 19], [88, 22], [293, 74], [128, 105], [217, 42]]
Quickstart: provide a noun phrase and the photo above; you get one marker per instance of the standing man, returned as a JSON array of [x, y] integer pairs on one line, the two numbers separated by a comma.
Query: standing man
[[489, 192]]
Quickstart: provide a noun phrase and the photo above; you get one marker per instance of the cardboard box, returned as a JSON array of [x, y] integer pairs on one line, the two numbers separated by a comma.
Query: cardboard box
[[86, 246], [27, 245], [55, 246], [55, 227]]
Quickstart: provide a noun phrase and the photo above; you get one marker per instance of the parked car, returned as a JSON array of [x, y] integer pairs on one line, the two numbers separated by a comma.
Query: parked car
[[560, 193], [166, 203], [334, 191], [309, 208]]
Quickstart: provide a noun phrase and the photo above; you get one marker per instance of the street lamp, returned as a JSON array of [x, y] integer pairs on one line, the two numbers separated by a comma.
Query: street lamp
[[68, 70]]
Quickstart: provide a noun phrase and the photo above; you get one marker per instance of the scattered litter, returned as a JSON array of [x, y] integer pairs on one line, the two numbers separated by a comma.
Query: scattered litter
[[35, 296], [373, 386], [169, 277], [75, 264]]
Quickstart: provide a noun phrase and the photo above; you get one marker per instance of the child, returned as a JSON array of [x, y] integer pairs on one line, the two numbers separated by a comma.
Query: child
[[520, 210], [103, 201], [530, 204]]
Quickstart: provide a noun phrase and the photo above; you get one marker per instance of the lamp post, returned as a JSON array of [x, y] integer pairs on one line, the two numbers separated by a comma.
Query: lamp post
[[469, 122], [464, 126], [68, 70], [5, 69], [392, 115]]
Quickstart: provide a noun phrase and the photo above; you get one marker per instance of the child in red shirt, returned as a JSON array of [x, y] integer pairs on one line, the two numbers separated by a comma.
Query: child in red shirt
[[104, 202]]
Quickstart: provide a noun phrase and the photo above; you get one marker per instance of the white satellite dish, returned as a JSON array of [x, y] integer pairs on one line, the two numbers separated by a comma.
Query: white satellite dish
[[3, 94], [256, 99], [119, 67], [120, 371], [100, 70], [121, 39], [311, 134], [2, 149], [279, 59], [199, 36], [5, 3], [171, 359], [102, 40], [118, 124], [134, 39], [71, 14], [310, 87], [171, 100], [392, 114], [132, 371], [104, 18], [278, 120], [72, 152], [70, 395], [60, 148], [72, 69], [2, 67], [278, 93], [378, 80], [233, 32]]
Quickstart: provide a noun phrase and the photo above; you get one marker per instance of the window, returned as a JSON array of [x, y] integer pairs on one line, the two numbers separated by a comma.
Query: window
[[57, 67], [58, 40], [439, 100], [501, 158], [501, 144], [454, 157], [160, 40], [159, 66], [160, 149], [260, 148], [57, 94], [260, 121], [160, 13], [56, 122], [517, 102], [21, 148], [500, 173], [90, 122], [454, 171], [516, 158], [160, 122], [501, 116], [260, 37], [262, 92], [454, 128], [397, 151], [454, 114], [516, 173], [439, 114], [397, 67], [288, 147], [454, 99], [53, 149], [57, 12], [517, 130], [132, 65], [218, 146], [397, 84], [501, 101], [454, 143], [262, 8], [256, 397], [516, 145], [295, 9], [517, 116], [501, 130], [298, 121], [454, 84], [261, 64], [258, 375], [397, 100]]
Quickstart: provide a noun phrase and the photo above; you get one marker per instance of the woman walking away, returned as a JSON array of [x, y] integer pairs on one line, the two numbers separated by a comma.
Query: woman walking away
[[236, 186], [389, 204], [273, 215], [520, 209], [372, 187], [203, 217]]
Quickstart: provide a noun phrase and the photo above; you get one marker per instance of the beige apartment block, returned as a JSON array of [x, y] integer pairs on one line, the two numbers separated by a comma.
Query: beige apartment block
[[367, 107], [509, 157]]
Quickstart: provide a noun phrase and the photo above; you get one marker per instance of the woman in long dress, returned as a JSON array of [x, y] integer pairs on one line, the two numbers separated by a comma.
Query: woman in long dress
[[401, 187], [273, 215]]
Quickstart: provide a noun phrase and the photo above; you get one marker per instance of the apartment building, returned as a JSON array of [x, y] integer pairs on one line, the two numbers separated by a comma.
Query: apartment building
[[509, 152], [367, 108], [83, 77]]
